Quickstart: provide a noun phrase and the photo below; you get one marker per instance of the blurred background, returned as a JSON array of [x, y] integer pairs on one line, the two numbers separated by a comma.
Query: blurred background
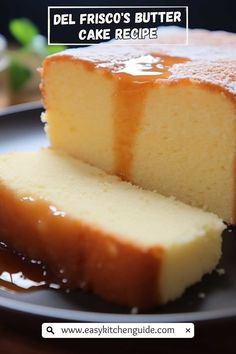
[[23, 37]]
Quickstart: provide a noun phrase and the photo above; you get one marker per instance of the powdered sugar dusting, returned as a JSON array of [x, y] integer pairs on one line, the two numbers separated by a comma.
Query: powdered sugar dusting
[[220, 73]]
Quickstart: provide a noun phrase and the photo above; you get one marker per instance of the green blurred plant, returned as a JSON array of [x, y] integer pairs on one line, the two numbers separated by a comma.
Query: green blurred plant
[[31, 41]]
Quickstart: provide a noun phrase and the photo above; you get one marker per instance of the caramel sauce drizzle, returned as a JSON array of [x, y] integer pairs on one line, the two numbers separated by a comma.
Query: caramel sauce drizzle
[[134, 77]]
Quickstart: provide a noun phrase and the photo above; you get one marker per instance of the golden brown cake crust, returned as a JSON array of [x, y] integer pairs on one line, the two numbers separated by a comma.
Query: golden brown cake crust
[[85, 256]]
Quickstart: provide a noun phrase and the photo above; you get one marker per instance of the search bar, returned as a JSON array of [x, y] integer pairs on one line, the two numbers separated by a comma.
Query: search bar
[[117, 330]]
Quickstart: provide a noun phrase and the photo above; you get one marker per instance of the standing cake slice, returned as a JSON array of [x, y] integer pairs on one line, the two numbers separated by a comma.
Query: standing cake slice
[[163, 117]]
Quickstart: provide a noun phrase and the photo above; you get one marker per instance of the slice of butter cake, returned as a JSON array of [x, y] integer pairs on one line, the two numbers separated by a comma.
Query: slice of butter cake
[[132, 247], [163, 117]]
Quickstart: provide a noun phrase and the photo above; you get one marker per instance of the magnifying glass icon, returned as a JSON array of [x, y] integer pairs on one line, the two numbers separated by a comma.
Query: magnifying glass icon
[[50, 329]]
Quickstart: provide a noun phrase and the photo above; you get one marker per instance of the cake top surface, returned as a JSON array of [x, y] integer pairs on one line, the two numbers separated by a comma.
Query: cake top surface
[[209, 57]]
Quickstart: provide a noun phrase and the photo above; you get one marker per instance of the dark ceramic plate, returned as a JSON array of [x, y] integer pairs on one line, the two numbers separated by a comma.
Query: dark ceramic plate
[[21, 129]]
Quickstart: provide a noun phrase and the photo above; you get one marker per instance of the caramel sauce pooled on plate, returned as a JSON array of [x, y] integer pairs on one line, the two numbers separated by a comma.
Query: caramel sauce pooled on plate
[[19, 274]]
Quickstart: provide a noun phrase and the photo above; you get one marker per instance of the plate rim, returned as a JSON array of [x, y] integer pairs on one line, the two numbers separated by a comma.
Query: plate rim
[[91, 316], [19, 108]]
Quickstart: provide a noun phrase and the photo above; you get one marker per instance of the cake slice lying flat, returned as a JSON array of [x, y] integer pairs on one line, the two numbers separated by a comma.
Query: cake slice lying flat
[[130, 246], [163, 117]]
